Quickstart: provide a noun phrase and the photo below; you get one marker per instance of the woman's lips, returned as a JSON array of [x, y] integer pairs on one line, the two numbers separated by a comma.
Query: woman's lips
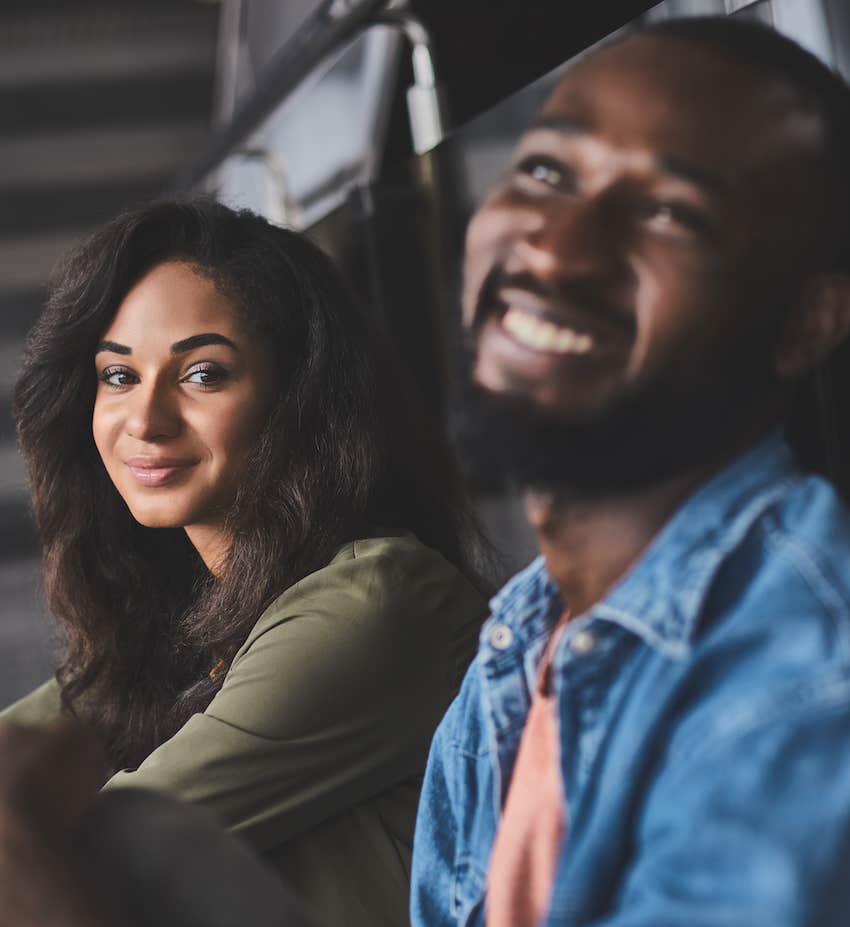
[[150, 471]]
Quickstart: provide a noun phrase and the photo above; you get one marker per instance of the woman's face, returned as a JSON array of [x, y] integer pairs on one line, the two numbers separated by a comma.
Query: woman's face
[[183, 392]]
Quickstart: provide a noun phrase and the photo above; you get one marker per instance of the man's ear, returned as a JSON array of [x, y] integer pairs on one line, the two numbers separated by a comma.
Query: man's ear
[[818, 322]]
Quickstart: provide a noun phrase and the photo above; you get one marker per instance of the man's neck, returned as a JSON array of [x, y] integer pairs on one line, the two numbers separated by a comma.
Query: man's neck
[[589, 543]]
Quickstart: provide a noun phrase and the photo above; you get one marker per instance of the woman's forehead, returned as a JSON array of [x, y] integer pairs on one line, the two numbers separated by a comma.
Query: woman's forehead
[[170, 297]]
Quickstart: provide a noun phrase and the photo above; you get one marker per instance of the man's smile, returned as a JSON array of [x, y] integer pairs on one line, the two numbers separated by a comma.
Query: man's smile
[[526, 333], [559, 324], [540, 335]]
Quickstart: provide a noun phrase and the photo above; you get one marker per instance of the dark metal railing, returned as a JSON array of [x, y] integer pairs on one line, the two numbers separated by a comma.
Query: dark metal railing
[[334, 24], [331, 26]]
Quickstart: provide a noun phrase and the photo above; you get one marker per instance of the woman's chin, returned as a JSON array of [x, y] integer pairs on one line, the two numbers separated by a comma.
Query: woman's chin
[[150, 522], [156, 518]]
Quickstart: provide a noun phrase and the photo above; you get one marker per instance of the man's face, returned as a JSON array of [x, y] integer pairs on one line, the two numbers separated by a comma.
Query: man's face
[[634, 262]]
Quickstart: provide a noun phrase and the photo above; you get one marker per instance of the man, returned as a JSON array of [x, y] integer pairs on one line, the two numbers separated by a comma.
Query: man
[[656, 729]]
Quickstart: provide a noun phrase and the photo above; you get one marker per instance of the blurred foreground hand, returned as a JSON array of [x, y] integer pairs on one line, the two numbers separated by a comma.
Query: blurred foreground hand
[[71, 856], [49, 777]]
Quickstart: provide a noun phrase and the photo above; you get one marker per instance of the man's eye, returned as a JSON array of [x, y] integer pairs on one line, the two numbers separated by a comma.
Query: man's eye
[[117, 376], [206, 374], [665, 214], [544, 171]]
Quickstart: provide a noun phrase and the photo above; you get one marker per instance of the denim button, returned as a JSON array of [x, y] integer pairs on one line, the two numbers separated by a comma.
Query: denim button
[[583, 643], [501, 637]]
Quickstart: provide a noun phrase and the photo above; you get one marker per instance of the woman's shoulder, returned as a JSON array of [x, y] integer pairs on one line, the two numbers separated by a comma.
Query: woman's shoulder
[[373, 568], [374, 581], [393, 556], [41, 706]]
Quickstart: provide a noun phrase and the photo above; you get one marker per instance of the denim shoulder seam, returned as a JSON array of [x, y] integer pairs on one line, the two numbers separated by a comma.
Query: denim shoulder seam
[[821, 586], [791, 705]]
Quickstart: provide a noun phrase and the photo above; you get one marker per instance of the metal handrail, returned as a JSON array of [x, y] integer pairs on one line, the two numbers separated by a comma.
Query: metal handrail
[[425, 105], [331, 26]]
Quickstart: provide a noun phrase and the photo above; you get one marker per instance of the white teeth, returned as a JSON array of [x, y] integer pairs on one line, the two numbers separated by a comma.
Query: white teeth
[[544, 336]]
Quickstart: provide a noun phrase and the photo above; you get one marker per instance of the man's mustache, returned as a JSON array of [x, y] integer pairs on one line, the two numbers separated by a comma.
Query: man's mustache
[[578, 296]]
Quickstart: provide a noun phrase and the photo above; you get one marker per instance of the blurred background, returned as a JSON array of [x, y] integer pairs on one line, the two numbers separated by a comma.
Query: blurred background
[[374, 126]]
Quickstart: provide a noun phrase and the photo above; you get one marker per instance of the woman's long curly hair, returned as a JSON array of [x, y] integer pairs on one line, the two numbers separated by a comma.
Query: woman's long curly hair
[[348, 449]]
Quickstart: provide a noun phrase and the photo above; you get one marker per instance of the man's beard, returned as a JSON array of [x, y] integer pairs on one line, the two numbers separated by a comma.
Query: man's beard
[[638, 439]]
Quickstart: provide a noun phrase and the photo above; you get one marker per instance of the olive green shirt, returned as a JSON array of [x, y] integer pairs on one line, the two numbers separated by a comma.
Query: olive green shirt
[[314, 747]]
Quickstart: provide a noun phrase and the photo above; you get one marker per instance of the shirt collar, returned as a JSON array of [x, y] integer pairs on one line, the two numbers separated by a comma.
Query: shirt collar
[[661, 596]]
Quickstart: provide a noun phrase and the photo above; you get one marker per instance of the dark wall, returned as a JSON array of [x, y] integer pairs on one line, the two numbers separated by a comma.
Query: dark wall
[[487, 49]]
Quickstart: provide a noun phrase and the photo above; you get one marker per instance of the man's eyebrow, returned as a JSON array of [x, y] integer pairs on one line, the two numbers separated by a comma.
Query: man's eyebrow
[[199, 341], [567, 125], [570, 125], [693, 174], [112, 346]]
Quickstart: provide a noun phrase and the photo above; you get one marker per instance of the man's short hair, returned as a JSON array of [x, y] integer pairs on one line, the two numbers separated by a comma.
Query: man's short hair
[[821, 90]]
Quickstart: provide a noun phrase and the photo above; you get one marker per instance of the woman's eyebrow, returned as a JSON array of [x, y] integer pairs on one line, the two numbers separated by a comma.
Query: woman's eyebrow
[[199, 341], [179, 347], [112, 346]]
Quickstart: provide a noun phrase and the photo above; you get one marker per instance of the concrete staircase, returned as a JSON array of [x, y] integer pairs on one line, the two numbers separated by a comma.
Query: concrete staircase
[[100, 104]]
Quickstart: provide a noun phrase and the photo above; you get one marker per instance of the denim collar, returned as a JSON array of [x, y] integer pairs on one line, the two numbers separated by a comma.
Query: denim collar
[[660, 598]]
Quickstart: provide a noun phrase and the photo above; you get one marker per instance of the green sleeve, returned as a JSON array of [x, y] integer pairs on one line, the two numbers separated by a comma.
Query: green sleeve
[[41, 706], [333, 697]]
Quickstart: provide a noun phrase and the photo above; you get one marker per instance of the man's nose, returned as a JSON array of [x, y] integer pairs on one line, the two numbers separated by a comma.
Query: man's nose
[[575, 240], [154, 412]]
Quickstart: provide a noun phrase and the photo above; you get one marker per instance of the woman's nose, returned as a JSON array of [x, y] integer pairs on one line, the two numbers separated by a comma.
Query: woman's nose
[[153, 414]]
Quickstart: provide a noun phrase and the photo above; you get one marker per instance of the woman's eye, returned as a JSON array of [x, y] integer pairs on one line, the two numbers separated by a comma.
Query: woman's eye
[[206, 375], [117, 376]]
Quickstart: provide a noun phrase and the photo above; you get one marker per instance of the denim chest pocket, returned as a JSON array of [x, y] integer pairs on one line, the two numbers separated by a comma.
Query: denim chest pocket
[[468, 885]]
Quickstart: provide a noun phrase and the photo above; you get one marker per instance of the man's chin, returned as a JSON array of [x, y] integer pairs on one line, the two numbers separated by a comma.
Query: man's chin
[[507, 442]]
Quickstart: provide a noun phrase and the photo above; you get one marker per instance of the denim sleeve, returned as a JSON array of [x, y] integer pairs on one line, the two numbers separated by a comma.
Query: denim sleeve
[[751, 826], [434, 839]]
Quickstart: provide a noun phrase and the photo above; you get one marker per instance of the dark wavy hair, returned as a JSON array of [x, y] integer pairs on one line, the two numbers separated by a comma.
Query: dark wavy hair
[[348, 449], [818, 411]]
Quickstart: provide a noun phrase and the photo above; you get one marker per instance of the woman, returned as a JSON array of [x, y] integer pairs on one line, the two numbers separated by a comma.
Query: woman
[[251, 541]]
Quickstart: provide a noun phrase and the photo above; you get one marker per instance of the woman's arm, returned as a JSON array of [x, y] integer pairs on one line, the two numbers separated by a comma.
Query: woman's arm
[[331, 701]]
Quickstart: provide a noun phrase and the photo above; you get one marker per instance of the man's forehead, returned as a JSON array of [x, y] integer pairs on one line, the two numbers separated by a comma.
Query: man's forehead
[[650, 56], [672, 69], [679, 98]]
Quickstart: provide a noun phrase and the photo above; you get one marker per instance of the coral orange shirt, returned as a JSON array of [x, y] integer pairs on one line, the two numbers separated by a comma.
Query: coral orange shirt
[[531, 831]]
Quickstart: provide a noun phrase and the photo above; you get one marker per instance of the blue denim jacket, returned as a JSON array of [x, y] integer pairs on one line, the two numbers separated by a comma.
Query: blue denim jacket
[[704, 713]]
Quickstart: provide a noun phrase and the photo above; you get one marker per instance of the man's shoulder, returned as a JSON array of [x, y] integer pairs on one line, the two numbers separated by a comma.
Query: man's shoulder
[[791, 572], [772, 646], [753, 555], [811, 525]]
